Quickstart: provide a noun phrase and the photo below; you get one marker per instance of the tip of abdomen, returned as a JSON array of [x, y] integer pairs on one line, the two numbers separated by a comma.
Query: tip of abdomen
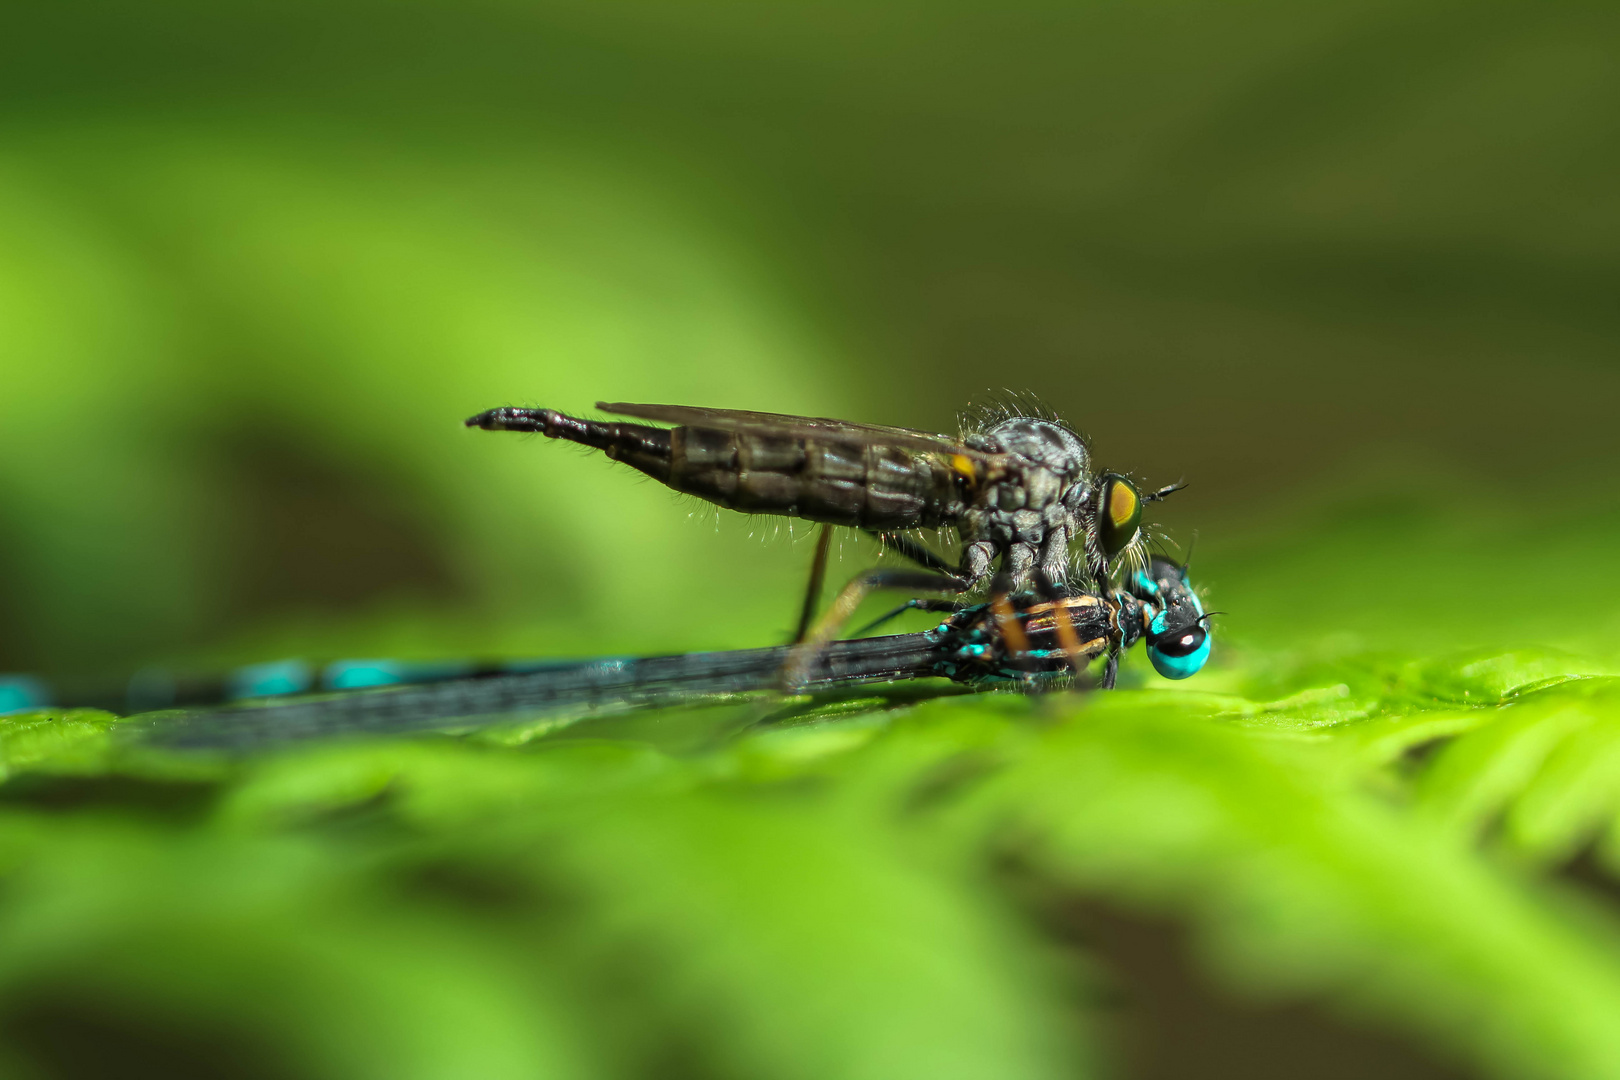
[[512, 418]]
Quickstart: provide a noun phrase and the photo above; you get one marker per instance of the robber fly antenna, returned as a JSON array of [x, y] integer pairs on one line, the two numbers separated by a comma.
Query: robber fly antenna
[[1168, 489]]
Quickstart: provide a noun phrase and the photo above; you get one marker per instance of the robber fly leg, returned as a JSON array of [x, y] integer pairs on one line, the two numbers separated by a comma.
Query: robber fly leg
[[918, 553], [1102, 577], [1014, 642], [1054, 562], [1017, 564], [818, 575], [1062, 619], [922, 556], [802, 659], [976, 559]]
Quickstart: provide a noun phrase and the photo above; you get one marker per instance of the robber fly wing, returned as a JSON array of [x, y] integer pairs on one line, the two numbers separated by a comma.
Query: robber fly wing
[[784, 424]]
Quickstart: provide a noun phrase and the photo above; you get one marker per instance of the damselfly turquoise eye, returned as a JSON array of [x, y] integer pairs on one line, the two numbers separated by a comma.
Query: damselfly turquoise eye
[[1120, 514], [1179, 653]]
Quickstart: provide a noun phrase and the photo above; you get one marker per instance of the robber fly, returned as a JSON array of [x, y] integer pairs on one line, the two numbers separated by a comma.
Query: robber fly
[[1023, 490]]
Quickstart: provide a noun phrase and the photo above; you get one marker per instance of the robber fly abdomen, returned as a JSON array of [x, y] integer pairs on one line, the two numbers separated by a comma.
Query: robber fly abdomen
[[807, 475], [818, 479]]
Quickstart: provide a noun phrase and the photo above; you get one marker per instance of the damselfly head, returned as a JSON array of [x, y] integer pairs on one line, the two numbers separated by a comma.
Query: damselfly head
[[1178, 652], [1178, 633]]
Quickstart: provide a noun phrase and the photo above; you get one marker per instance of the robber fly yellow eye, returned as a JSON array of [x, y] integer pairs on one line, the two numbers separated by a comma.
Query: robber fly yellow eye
[[1121, 514]]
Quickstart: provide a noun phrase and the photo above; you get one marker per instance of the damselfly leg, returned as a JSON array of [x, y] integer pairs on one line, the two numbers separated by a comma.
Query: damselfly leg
[[919, 604], [1111, 669]]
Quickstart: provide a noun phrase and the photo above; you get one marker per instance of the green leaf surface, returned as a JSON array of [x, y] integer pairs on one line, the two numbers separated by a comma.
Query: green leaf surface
[[849, 894]]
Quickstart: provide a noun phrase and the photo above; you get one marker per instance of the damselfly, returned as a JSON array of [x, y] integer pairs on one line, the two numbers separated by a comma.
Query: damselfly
[[1036, 643]]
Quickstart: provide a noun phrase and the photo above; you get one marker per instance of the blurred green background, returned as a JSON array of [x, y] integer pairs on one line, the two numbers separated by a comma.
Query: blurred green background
[[1349, 268], [257, 261]]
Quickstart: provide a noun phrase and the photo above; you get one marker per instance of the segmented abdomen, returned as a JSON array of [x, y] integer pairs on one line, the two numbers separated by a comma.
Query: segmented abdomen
[[820, 479], [871, 487]]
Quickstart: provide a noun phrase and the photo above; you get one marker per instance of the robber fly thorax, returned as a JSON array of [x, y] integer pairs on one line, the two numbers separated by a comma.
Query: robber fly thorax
[[1023, 490]]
